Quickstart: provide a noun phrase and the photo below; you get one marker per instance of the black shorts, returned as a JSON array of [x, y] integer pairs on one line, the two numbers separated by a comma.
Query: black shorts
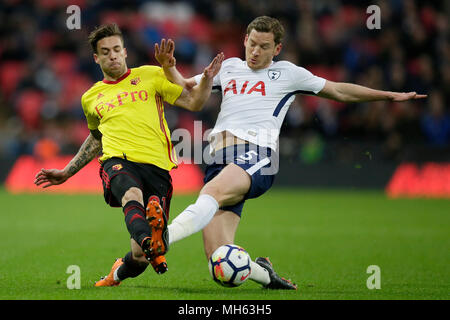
[[154, 182]]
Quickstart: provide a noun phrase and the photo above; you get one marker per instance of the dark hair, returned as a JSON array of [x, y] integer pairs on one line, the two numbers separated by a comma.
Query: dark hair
[[104, 31], [267, 24]]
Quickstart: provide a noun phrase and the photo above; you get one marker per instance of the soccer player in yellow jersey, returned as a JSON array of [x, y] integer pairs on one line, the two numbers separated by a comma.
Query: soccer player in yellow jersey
[[125, 116]]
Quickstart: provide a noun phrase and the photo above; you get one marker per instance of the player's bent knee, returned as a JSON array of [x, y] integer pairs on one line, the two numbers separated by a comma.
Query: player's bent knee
[[228, 190], [133, 194], [125, 189], [222, 195], [213, 191]]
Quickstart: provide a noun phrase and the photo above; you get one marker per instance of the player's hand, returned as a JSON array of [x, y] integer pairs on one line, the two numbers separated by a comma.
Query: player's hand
[[164, 53], [405, 96], [214, 67], [50, 177]]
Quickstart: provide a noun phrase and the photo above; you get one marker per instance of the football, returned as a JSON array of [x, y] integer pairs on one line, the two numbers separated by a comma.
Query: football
[[229, 265]]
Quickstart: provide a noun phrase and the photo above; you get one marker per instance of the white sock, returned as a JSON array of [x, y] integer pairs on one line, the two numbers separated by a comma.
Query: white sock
[[116, 277], [193, 219], [259, 274]]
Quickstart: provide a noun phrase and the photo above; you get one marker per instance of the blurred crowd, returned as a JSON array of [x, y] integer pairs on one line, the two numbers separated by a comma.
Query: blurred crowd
[[45, 67]]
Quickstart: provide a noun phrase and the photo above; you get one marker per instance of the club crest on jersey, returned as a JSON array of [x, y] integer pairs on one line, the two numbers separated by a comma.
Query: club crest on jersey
[[273, 74], [135, 81], [117, 167]]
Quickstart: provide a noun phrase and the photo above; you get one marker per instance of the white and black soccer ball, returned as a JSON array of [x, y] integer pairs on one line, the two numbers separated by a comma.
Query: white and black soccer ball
[[229, 265]]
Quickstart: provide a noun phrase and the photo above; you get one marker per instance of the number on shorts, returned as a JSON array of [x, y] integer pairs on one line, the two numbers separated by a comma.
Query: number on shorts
[[248, 155]]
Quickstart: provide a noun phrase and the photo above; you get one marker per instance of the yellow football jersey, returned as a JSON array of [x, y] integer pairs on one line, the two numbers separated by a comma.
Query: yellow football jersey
[[129, 112]]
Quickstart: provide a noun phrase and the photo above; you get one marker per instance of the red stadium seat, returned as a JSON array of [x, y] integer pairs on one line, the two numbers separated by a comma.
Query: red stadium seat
[[11, 72], [63, 63], [29, 105]]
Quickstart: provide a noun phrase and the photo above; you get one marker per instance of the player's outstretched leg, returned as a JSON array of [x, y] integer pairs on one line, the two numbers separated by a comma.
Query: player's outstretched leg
[[276, 282], [111, 279], [155, 247]]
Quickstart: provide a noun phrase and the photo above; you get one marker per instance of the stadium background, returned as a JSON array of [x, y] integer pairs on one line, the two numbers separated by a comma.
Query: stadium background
[[45, 68]]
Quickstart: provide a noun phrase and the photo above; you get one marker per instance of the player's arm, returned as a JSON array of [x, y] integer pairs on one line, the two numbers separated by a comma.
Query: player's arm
[[194, 95], [88, 150], [195, 98], [164, 54], [349, 92]]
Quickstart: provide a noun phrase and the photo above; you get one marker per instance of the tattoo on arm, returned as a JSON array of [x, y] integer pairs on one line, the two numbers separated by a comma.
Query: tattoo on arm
[[88, 150]]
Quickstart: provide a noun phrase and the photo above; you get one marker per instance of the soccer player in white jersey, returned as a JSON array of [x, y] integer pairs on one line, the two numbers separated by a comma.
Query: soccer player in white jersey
[[256, 94]]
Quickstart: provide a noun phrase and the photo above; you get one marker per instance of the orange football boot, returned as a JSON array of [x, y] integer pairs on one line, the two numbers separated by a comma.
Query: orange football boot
[[156, 246], [109, 281]]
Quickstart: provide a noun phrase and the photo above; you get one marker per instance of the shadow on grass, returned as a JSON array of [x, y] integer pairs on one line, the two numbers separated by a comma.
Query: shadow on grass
[[231, 292]]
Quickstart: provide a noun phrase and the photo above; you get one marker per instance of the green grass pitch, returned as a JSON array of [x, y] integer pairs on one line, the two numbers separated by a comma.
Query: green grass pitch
[[324, 240]]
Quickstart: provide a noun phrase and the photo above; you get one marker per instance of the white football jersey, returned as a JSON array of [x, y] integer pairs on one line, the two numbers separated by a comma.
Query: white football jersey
[[255, 102]]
